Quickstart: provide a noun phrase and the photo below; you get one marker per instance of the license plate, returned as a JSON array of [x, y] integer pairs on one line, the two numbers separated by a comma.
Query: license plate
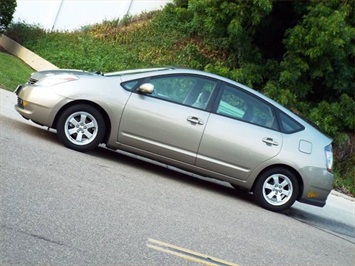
[[18, 89]]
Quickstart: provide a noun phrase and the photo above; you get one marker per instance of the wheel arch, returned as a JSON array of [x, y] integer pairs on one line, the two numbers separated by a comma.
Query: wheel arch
[[294, 171], [95, 105]]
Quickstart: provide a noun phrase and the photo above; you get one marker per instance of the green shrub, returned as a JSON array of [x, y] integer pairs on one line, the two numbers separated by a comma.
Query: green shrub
[[345, 176], [24, 33]]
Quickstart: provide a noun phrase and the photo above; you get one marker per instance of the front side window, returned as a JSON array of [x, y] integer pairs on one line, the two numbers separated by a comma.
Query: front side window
[[130, 85], [240, 105], [188, 90]]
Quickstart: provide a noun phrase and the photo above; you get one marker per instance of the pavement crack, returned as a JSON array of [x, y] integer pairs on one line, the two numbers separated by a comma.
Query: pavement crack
[[33, 235]]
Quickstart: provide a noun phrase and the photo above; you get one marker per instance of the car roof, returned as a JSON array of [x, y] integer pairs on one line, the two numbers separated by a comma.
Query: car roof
[[127, 75], [150, 72]]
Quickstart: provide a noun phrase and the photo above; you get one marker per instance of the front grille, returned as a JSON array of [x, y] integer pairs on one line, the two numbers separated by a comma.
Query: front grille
[[20, 102]]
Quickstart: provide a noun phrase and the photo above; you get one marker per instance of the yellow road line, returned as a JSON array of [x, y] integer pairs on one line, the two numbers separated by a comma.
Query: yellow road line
[[187, 254]]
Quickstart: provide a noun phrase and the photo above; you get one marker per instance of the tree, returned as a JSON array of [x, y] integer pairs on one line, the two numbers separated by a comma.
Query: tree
[[300, 53], [317, 70], [230, 24], [7, 9]]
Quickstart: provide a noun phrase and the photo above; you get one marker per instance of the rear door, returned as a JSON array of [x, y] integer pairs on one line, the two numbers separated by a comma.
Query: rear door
[[167, 123], [240, 134]]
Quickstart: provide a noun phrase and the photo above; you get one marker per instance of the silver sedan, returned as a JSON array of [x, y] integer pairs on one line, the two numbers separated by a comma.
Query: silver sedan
[[193, 120]]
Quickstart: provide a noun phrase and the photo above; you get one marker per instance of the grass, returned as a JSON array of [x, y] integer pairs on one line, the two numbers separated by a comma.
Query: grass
[[13, 71], [107, 47]]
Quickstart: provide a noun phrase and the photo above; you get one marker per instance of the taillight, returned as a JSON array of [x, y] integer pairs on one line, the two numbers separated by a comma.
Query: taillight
[[329, 157]]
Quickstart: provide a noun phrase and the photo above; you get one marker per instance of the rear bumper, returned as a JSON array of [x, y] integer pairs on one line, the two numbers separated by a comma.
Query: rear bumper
[[314, 202], [317, 186]]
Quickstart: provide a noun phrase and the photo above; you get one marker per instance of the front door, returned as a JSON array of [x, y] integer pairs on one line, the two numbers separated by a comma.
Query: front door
[[167, 123]]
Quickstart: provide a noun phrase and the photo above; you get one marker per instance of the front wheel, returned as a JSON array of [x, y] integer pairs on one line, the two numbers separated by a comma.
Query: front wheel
[[276, 189], [81, 127]]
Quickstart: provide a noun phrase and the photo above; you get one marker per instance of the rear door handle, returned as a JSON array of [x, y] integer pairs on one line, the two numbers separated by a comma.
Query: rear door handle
[[270, 142], [195, 120]]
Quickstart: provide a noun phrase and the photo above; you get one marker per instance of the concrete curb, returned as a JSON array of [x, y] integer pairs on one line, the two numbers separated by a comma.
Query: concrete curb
[[342, 195], [29, 57]]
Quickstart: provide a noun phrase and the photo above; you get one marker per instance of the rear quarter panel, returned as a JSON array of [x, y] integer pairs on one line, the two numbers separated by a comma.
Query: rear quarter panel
[[317, 182]]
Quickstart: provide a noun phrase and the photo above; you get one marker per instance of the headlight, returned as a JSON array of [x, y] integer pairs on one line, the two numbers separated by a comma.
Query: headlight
[[56, 79], [329, 157]]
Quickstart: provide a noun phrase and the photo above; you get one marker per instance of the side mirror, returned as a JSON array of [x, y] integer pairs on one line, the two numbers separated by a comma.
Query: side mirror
[[146, 88]]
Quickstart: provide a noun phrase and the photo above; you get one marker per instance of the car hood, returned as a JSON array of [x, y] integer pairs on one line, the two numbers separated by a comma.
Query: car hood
[[46, 73]]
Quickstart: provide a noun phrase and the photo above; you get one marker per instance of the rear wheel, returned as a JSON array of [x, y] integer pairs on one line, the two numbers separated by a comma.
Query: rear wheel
[[276, 189], [81, 127]]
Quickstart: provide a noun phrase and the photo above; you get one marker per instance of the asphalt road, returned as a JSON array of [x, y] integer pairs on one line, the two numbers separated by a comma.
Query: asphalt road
[[61, 207]]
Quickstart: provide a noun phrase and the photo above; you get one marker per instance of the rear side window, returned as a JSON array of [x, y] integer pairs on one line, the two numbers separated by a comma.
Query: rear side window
[[236, 103], [232, 103], [288, 124]]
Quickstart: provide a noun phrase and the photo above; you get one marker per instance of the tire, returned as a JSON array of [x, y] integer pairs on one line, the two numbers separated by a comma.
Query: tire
[[81, 127], [276, 189]]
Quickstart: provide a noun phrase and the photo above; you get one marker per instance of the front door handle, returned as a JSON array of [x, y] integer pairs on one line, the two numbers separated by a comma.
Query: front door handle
[[270, 142], [195, 120]]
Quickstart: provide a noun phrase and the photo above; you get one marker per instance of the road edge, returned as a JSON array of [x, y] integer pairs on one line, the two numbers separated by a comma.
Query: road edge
[[342, 195]]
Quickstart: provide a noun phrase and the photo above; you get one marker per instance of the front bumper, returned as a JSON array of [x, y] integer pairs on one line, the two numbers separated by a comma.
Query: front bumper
[[37, 103]]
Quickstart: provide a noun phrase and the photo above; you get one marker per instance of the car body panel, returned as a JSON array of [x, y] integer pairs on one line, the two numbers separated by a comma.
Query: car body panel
[[170, 138], [210, 144], [217, 154]]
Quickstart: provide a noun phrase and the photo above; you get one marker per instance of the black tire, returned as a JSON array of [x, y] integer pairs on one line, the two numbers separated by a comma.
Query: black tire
[[276, 189], [81, 127]]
